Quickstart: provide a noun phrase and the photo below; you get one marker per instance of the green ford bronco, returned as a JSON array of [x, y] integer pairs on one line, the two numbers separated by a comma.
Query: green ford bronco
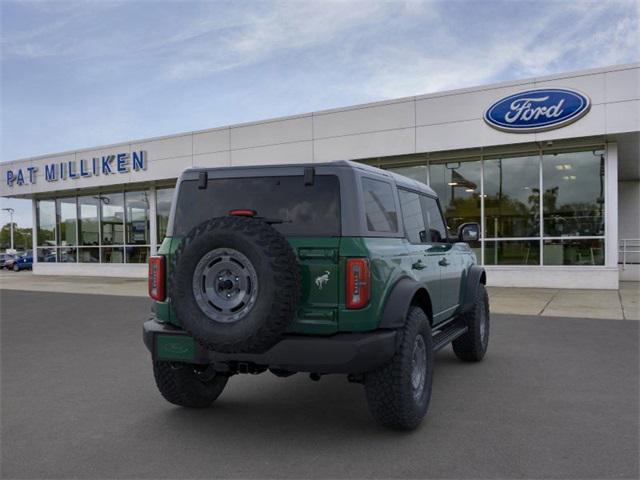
[[325, 268]]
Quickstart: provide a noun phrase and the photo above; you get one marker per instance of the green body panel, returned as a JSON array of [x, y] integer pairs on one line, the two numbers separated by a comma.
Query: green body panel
[[322, 262], [389, 261], [175, 347]]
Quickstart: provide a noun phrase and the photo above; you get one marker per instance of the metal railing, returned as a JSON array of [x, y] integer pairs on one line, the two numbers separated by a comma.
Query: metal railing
[[628, 249]]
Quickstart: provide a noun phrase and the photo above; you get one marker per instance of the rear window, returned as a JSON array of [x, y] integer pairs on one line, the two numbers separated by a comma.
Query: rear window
[[306, 210]]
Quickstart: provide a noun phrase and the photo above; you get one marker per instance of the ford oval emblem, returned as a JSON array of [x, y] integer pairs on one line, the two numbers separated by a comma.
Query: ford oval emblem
[[537, 110]]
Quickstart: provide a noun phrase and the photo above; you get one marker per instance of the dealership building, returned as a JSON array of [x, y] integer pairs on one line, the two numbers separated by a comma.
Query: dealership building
[[549, 166]]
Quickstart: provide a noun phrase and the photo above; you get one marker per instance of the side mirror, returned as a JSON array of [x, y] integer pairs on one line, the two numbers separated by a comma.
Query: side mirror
[[468, 232]]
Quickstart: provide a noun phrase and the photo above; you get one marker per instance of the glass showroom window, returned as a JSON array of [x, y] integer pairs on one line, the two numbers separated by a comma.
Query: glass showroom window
[[417, 172], [67, 221], [163, 209], [137, 227], [573, 208], [112, 227], [88, 229], [458, 187], [46, 230], [511, 198]]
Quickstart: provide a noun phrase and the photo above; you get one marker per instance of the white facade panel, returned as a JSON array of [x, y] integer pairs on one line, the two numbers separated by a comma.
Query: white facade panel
[[92, 269], [592, 85], [623, 85], [462, 107], [553, 277], [272, 133], [469, 134], [211, 141], [593, 123], [300, 152], [163, 169], [216, 159], [378, 144], [172, 147], [623, 116], [391, 116]]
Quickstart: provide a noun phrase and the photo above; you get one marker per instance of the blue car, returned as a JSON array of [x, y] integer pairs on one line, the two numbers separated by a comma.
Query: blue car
[[23, 262]]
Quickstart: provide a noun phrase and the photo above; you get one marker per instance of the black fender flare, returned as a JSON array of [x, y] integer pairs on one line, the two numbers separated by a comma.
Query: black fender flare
[[475, 276], [399, 300]]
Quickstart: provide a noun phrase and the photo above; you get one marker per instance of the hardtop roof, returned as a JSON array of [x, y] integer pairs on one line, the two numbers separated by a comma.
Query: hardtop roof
[[400, 180]]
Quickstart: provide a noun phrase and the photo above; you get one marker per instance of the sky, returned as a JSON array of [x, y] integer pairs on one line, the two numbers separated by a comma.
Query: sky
[[87, 73]]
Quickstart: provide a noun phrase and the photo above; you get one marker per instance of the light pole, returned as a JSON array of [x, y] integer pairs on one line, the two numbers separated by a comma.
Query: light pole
[[11, 211]]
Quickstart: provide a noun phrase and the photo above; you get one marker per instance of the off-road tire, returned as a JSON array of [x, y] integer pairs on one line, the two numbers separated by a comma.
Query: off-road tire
[[472, 346], [278, 278], [180, 384], [389, 391]]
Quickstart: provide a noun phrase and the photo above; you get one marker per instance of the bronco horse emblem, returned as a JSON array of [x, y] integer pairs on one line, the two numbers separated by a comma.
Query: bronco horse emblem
[[322, 280]]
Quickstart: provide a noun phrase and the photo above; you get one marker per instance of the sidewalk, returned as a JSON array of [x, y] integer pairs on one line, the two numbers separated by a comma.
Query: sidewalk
[[623, 304]]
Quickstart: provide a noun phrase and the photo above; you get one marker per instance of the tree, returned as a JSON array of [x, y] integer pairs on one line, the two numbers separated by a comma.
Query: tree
[[21, 237]]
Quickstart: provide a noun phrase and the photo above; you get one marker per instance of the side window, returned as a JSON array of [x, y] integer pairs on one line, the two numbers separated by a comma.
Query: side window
[[412, 216], [437, 232], [380, 208]]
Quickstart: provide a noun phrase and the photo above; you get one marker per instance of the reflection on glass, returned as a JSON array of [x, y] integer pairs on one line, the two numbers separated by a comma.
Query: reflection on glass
[[112, 218], [512, 252], [46, 217], [436, 229], [458, 187], [112, 255], [89, 255], [573, 198], [67, 255], [379, 206], [137, 218], [512, 197], [417, 172], [163, 208], [46, 255], [574, 252], [88, 220], [67, 213], [137, 254]]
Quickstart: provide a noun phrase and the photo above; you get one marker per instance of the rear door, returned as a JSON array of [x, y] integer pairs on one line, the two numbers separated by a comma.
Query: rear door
[[424, 267], [441, 250]]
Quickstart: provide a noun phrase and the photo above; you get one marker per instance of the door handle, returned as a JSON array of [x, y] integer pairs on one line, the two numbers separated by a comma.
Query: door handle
[[418, 265], [444, 262]]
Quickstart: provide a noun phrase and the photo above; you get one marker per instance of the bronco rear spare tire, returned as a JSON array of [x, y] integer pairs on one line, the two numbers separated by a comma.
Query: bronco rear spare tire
[[235, 284]]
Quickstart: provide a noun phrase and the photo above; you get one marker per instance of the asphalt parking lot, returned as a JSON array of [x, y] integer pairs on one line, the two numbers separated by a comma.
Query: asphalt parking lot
[[555, 398]]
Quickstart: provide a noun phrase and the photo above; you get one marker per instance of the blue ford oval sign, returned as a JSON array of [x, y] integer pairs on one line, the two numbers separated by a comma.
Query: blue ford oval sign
[[537, 110]]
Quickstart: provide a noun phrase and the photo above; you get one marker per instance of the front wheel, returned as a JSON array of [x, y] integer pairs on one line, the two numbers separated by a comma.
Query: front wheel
[[187, 385], [472, 346], [398, 394], [16, 268]]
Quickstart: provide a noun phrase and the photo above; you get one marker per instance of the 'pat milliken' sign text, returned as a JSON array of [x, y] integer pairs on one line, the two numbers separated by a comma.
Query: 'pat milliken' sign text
[[77, 169]]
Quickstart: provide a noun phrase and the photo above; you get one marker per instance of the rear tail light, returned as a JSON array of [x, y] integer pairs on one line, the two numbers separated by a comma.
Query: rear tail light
[[156, 278], [358, 283]]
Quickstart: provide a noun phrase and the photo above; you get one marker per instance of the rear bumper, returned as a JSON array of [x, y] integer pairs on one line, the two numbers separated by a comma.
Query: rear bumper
[[339, 353]]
